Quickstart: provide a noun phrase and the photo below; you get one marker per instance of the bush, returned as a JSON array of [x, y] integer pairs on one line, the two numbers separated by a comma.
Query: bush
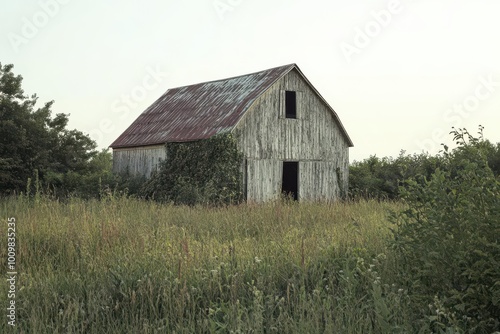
[[381, 178], [202, 172], [447, 241]]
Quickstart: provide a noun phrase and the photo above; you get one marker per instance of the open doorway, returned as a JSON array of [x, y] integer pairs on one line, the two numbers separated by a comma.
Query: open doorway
[[290, 180]]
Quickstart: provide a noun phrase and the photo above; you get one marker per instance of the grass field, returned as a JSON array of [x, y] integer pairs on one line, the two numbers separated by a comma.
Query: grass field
[[126, 266]]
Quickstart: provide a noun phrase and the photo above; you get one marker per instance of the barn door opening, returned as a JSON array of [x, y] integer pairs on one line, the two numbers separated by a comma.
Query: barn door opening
[[290, 180]]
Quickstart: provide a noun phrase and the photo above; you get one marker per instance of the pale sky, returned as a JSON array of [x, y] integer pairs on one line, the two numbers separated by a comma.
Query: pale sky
[[399, 74]]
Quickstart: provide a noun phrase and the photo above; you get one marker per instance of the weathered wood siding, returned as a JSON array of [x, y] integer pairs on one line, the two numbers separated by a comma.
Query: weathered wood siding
[[138, 160], [267, 138], [263, 179]]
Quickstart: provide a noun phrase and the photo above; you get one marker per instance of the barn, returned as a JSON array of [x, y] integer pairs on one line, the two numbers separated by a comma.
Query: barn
[[291, 138]]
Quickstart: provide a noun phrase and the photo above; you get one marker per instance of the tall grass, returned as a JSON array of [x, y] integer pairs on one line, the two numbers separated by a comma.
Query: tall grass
[[122, 265]]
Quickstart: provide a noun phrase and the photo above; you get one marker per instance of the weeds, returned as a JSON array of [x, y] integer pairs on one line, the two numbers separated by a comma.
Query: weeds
[[122, 265]]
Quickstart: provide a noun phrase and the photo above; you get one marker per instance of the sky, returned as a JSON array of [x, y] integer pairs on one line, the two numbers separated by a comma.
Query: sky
[[399, 73]]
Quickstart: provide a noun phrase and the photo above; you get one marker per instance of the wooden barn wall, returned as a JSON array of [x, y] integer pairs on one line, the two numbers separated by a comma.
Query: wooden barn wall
[[263, 179], [267, 137], [138, 160], [319, 180]]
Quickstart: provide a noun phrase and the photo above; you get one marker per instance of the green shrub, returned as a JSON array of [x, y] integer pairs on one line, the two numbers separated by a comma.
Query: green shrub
[[202, 172], [448, 242], [381, 178]]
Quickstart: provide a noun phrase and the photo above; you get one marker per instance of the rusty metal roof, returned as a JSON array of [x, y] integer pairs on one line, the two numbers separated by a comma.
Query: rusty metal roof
[[200, 111]]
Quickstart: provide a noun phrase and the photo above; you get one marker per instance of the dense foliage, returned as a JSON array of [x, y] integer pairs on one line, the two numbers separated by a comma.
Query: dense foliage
[[202, 172], [35, 145], [448, 241], [383, 178]]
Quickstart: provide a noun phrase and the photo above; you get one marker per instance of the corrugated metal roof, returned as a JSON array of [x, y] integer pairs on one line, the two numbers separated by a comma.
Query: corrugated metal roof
[[200, 111]]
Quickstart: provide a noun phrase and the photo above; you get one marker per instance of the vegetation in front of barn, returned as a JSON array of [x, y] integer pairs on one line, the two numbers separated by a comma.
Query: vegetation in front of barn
[[204, 172], [124, 265], [447, 242]]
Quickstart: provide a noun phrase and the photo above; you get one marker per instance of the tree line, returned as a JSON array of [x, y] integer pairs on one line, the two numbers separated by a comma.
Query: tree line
[[384, 178]]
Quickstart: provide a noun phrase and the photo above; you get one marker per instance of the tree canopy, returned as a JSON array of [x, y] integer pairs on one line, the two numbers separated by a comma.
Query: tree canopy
[[33, 141]]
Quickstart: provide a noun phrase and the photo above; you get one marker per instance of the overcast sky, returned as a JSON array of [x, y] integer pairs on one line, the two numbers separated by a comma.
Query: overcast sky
[[399, 74]]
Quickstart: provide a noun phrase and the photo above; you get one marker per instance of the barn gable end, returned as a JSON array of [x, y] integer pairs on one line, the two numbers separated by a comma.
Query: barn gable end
[[314, 139]]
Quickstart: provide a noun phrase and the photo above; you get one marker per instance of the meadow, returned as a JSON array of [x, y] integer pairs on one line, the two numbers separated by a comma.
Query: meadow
[[120, 265]]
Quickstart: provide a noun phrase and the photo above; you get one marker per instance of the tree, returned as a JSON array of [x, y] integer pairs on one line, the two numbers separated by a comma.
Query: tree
[[33, 141]]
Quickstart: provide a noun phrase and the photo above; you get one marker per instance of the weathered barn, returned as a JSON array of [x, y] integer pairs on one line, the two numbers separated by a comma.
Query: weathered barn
[[291, 138]]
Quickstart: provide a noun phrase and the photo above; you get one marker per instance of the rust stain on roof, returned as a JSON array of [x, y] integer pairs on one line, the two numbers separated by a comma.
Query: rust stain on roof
[[198, 111], [202, 110]]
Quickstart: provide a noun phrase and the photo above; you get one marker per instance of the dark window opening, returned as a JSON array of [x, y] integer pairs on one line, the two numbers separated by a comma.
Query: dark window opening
[[290, 181], [290, 104]]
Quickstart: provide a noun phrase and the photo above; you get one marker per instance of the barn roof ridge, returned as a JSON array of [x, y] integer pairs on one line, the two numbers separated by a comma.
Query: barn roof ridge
[[290, 66]]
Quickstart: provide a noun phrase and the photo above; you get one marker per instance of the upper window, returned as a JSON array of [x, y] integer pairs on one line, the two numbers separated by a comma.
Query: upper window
[[290, 104]]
